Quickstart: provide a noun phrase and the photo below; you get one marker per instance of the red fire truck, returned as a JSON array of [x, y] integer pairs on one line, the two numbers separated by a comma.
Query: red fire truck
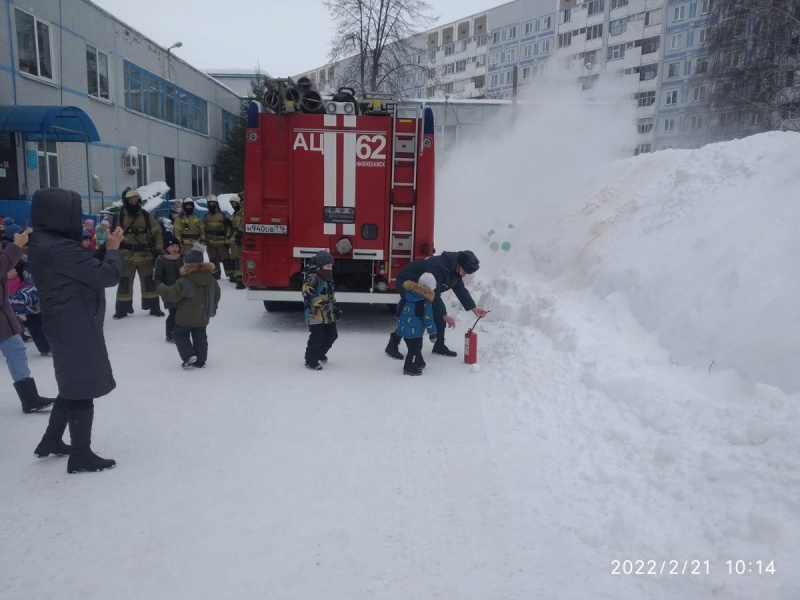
[[354, 177]]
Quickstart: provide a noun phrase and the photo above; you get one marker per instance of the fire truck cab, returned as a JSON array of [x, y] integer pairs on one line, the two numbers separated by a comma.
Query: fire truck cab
[[354, 177]]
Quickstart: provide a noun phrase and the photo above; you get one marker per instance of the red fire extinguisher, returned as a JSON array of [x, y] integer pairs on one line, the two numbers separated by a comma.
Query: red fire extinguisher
[[471, 344]]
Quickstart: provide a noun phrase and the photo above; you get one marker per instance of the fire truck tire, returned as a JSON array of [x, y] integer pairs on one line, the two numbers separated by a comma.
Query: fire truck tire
[[391, 308]]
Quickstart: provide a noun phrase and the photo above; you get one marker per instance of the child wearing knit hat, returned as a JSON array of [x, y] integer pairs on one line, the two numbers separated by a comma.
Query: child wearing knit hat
[[196, 295], [321, 311], [167, 271]]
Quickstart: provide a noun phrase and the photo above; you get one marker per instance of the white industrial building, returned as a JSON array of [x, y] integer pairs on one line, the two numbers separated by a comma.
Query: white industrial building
[[90, 104]]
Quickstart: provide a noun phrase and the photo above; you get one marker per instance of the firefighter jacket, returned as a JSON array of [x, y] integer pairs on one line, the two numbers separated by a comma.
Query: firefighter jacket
[[143, 238], [189, 229], [196, 293], [237, 226], [417, 314], [218, 229], [319, 298]]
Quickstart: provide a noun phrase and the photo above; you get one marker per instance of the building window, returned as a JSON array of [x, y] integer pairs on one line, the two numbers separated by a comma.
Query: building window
[[618, 3], [671, 98], [530, 27], [616, 52], [480, 60], [566, 15], [480, 81], [527, 51], [651, 44], [449, 49], [494, 80], [676, 41], [668, 125], [480, 40], [447, 88], [727, 119], [494, 57], [547, 23], [618, 26], [526, 73], [705, 7], [699, 93], [33, 45], [462, 46], [229, 119], [142, 178], [696, 123], [97, 73], [673, 69], [48, 175], [595, 31], [448, 69], [564, 39], [153, 96], [512, 33], [461, 66], [645, 98], [544, 47], [511, 55], [648, 72], [679, 13], [646, 125], [432, 55], [200, 180], [652, 17], [701, 66], [703, 36], [496, 37], [509, 77], [643, 149], [595, 6]]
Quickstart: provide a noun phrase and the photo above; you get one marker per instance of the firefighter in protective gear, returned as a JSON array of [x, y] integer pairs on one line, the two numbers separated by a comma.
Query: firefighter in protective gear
[[237, 226], [218, 236], [188, 227], [140, 247]]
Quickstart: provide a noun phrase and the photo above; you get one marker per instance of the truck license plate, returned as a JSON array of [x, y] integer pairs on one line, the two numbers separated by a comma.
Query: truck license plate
[[261, 228]]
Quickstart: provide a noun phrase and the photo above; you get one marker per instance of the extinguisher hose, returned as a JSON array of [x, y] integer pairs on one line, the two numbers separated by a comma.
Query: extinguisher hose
[[478, 319]]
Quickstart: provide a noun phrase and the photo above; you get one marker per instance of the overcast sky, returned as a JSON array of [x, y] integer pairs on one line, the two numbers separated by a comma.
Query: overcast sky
[[283, 38]]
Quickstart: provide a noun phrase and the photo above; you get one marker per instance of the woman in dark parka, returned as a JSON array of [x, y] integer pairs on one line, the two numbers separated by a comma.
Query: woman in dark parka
[[71, 283]]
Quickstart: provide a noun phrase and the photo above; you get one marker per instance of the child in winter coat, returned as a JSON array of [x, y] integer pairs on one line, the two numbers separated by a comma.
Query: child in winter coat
[[197, 296], [101, 233], [167, 270], [24, 299], [321, 311], [88, 226], [416, 317]]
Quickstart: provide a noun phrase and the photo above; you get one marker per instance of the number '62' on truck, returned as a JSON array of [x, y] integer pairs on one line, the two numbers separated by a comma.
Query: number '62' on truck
[[355, 178]]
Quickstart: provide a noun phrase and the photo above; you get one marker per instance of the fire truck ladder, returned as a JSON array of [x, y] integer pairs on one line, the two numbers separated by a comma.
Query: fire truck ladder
[[405, 152]]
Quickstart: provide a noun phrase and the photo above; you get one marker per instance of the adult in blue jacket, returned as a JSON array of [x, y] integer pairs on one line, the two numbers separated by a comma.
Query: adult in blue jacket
[[448, 268], [71, 283]]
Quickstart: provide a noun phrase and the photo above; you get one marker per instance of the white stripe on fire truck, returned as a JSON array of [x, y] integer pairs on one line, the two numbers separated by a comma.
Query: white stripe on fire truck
[[349, 121], [349, 176], [329, 193], [360, 132], [329, 121]]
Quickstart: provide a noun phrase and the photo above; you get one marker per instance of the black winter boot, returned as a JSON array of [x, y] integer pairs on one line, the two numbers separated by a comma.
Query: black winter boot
[[51, 440], [29, 396], [230, 267], [240, 284], [153, 305], [123, 309], [393, 347], [440, 348], [81, 458]]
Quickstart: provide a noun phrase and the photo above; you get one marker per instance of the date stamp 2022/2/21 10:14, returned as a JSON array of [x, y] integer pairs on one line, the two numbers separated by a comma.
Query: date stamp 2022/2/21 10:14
[[691, 567]]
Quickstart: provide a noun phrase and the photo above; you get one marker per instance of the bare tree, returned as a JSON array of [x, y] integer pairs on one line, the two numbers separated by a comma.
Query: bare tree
[[374, 36], [755, 65]]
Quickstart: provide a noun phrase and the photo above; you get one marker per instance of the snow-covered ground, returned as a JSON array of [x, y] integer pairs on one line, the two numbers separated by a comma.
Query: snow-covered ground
[[636, 399]]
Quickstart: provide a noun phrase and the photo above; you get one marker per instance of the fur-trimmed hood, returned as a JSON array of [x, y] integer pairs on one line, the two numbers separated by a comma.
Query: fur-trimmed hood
[[425, 292], [197, 268]]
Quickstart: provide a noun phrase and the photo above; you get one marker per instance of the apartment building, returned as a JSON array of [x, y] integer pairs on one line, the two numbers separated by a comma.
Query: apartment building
[[90, 104]]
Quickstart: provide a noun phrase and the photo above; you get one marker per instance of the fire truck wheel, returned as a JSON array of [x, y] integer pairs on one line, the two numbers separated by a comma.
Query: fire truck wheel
[[391, 308]]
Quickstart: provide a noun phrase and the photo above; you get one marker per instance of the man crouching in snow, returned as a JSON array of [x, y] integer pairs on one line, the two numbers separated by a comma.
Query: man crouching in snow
[[197, 295]]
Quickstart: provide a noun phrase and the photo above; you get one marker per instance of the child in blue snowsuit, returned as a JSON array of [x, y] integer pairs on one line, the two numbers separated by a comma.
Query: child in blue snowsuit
[[415, 318]]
